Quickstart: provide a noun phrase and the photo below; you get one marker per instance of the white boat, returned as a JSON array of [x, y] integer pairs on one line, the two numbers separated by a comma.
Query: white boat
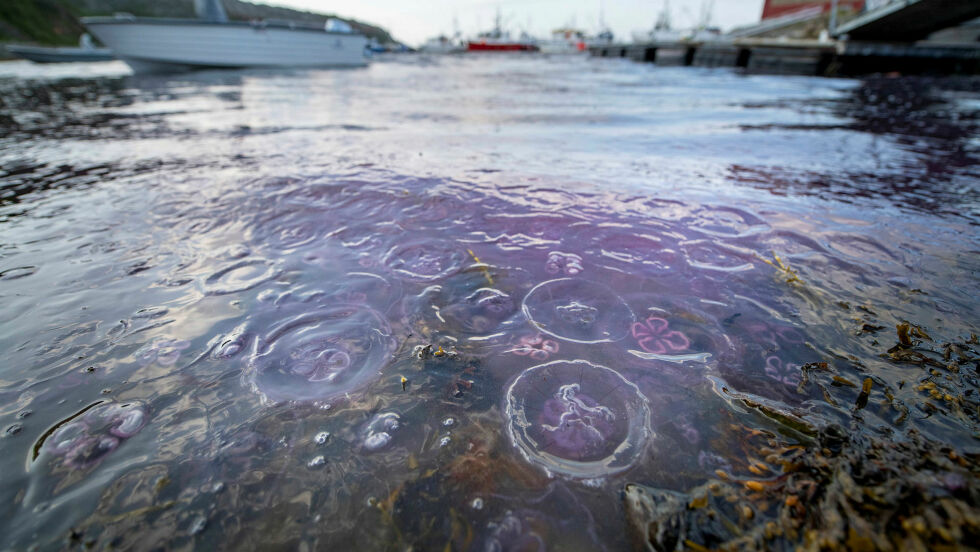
[[564, 41], [663, 31], [86, 51], [442, 45], [154, 45]]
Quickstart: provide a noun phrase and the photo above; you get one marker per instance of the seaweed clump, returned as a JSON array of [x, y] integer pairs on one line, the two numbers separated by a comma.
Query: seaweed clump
[[857, 493]]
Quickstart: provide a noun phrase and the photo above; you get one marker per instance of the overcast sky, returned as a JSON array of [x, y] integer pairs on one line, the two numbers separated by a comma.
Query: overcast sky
[[413, 21]]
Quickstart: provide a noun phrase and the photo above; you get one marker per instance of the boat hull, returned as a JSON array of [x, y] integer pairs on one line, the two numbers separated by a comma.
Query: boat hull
[[500, 47], [40, 54], [167, 45]]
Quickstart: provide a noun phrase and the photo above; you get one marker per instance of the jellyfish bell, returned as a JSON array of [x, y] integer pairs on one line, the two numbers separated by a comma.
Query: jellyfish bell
[[319, 355], [578, 310], [66, 437], [120, 420], [577, 419], [378, 431]]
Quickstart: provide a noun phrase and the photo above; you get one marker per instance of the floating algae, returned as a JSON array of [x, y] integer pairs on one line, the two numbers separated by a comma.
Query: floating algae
[[872, 494]]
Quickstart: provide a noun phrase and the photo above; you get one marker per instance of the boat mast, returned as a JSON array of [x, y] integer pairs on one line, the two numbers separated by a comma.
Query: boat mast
[[707, 8], [663, 20]]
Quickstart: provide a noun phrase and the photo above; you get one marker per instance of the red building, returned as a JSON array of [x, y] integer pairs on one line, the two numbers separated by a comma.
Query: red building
[[775, 8]]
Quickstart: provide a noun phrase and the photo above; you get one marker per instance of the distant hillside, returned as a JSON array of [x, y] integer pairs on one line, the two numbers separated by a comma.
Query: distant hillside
[[56, 22]]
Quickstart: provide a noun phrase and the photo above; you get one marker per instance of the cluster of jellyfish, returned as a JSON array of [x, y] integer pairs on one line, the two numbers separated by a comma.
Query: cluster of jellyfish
[[571, 417], [86, 440]]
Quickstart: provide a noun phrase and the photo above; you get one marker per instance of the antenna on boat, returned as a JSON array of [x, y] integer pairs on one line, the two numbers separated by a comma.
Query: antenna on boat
[[663, 20], [211, 11], [707, 7]]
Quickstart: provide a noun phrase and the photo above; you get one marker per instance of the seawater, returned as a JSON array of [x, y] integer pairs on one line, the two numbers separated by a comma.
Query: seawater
[[464, 301]]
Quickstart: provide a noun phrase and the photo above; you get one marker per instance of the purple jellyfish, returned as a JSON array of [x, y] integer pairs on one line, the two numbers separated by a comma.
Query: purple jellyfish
[[319, 355], [577, 418], [654, 335], [568, 263], [536, 347], [86, 440], [578, 310]]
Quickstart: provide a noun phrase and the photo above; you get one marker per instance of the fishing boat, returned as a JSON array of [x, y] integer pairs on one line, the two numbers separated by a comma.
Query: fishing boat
[[663, 31], [442, 45], [212, 41], [499, 40], [573, 41], [86, 51], [564, 41]]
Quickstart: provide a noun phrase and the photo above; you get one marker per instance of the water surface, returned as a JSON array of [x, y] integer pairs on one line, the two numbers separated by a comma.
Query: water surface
[[472, 302]]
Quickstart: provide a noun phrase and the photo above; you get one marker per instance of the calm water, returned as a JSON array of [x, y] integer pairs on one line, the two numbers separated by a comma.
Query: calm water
[[462, 303]]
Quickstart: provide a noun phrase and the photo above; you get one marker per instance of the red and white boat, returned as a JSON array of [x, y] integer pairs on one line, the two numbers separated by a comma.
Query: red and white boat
[[499, 40]]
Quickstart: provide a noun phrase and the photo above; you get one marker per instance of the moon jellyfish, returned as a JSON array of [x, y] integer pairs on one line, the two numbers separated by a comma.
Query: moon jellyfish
[[513, 533], [377, 433], [535, 346], [87, 439], [558, 262], [425, 261], [578, 310], [577, 418], [319, 355]]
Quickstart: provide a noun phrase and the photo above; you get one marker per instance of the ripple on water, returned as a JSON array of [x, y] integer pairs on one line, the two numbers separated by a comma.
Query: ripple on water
[[320, 355], [229, 345], [477, 301], [241, 276], [578, 310], [577, 418], [862, 248], [365, 288], [710, 255], [724, 222], [425, 261], [287, 231], [18, 272], [631, 250], [439, 212]]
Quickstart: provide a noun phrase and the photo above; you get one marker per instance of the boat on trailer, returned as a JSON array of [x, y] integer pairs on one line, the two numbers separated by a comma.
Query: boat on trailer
[[212, 41]]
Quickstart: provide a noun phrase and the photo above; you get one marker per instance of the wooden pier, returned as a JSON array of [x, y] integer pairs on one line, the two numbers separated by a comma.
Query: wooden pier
[[805, 57]]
